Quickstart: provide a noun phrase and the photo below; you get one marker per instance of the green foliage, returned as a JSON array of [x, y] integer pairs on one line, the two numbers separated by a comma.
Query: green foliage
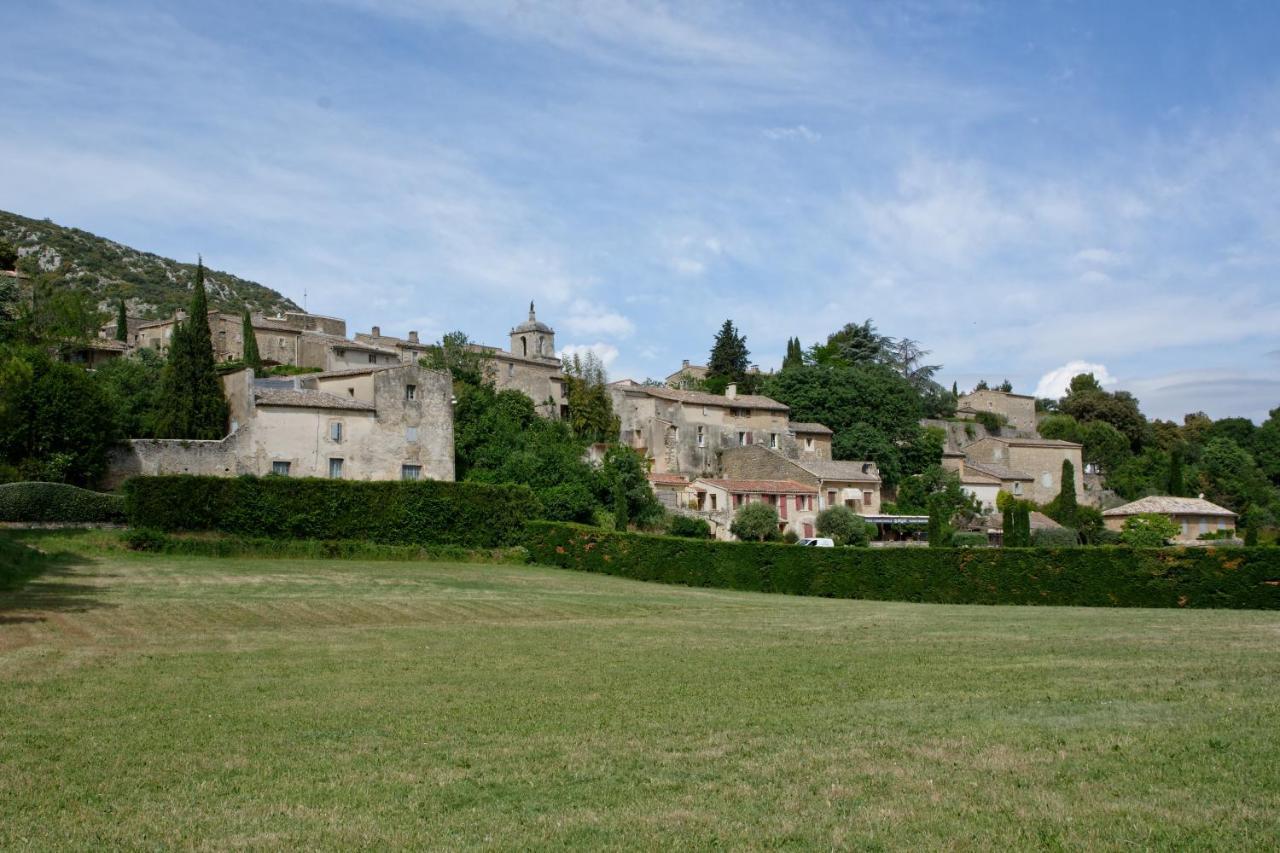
[[55, 317], [624, 473], [991, 421], [192, 403], [8, 255], [854, 344], [1148, 530], [122, 322], [99, 270], [755, 522], [1090, 525], [969, 539], [790, 537], [1086, 402], [1231, 478], [692, 528], [1054, 537], [844, 526], [457, 354], [730, 357], [1064, 508], [132, 386], [145, 539], [936, 485], [18, 563], [1096, 577], [591, 414], [1016, 526], [251, 357], [396, 512], [794, 356], [1177, 485], [1251, 535], [58, 502], [939, 533], [289, 370], [56, 422]]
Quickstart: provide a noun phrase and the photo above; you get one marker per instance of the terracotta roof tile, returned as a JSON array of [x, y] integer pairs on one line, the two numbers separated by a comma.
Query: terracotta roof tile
[[308, 399], [789, 487]]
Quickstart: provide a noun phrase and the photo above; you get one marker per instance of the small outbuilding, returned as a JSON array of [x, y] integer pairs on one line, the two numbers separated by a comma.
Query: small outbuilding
[[1194, 516]]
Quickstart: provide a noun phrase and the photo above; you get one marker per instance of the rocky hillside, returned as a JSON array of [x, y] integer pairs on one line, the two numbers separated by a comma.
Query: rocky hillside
[[151, 286]]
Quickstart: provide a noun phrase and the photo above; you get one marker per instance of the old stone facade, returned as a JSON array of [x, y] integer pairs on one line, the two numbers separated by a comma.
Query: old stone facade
[[855, 484], [1038, 460], [362, 424], [1018, 410], [1194, 516], [717, 500]]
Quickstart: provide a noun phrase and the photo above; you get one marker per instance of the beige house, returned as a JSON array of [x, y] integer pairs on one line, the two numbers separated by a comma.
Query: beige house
[[1193, 516], [94, 352], [717, 500], [1018, 410], [295, 338], [985, 480], [686, 432], [409, 348], [837, 482], [1039, 459], [813, 440], [688, 376], [530, 366], [383, 423], [670, 489]]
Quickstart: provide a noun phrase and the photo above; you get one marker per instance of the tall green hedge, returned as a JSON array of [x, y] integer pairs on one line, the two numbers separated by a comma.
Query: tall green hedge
[[58, 502], [397, 512], [1096, 577]]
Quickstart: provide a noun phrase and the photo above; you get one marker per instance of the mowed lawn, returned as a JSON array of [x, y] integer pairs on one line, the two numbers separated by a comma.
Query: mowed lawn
[[151, 701]]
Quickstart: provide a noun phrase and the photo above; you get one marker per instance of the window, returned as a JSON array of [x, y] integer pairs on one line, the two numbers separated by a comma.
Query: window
[[411, 392], [281, 343], [410, 472], [340, 353], [411, 434], [511, 370], [799, 502], [702, 436], [773, 440], [1204, 525], [739, 413], [1046, 479], [831, 497], [351, 392], [808, 442], [335, 469], [1017, 488], [713, 501], [742, 439], [373, 358], [866, 498], [737, 501], [280, 469], [335, 431]]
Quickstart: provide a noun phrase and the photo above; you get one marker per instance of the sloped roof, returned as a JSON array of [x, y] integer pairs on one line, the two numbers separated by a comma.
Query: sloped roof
[[701, 398], [789, 487], [305, 398], [838, 469], [1168, 505], [1038, 521], [805, 426], [669, 479], [995, 469], [349, 371], [1031, 442]]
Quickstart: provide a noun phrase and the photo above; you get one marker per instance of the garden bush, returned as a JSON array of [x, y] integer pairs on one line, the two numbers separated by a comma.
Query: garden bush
[[1054, 537], [693, 528], [58, 502], [1100, 577], [395, 512], [969, 540]]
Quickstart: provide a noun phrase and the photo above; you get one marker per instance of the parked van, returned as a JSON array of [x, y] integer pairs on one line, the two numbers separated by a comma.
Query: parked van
[[817, 543]]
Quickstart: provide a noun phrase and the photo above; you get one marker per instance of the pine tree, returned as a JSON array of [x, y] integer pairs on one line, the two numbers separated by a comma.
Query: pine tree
[[1176, 485], [955, 390], [252, 357], [122, 322], [193, 405], [729, 354]]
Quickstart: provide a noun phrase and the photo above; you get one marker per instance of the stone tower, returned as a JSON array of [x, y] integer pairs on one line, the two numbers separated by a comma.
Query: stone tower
[[532, 339]]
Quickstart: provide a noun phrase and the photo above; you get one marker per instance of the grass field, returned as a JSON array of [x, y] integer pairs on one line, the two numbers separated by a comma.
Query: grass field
[[186, 702]]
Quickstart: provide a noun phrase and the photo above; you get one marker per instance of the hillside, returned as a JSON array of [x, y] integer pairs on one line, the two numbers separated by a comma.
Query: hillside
[[151, 286]]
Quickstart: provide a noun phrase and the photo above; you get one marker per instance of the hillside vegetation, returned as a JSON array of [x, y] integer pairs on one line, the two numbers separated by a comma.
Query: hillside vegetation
[[151, 286]]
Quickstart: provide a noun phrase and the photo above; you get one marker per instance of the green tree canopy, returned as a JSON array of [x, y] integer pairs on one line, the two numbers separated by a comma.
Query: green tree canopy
[[252, 357], [755, 522], [192, 403], [1148, 530], [730, 357], [844, 526], [591, 414]]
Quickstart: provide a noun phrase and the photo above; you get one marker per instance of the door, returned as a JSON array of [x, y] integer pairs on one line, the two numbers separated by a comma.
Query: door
[[808, 530]]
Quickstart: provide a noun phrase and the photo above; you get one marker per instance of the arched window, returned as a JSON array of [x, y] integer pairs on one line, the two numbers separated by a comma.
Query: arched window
[[524, 346], [539, 344]]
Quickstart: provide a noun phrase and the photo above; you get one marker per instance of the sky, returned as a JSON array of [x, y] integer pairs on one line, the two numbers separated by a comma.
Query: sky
[[1028, 189]]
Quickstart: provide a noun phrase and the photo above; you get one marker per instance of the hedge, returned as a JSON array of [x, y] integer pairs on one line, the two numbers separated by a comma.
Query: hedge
[[18, 563], [423, 512], [221, 546], [58, 502], [1095, 577]]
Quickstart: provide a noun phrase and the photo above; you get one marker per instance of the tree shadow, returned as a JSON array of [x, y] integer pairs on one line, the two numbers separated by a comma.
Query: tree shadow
[[46, 591]]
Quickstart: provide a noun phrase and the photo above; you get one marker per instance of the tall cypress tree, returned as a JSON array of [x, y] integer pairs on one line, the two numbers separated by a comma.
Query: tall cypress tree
[[252, 358], [729, 354], [122, 322], [1010, 533], [1022, 519], [192, 403], [1066, 506], [1176, 485], [794, 356]]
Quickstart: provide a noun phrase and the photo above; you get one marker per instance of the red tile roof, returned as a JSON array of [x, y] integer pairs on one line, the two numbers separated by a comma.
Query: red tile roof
[[669, 479], [761, 487]]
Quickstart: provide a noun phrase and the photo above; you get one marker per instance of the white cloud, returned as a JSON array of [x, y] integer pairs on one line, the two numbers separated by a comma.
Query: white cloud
[[798, 131], [1098, 256], [607, 353], [1055, 383], [588, 318], [1219, 393]]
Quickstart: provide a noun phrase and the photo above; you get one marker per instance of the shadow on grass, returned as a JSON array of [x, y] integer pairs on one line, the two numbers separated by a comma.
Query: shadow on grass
[[38, 586]]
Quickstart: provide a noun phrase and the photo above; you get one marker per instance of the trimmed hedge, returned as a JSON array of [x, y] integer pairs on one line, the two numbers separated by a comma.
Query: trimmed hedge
[[1094, 577], [423, 512], [222, 546], [58, 502]]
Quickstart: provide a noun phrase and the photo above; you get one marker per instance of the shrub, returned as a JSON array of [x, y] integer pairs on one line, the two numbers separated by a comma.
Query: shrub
[[58, 502], [991, 421], [693, 528], [144, 539], [397, 512], [843, 525], [1055, 537], [1099, 577], [969, 540], [755, 522], [790, 537], [1148, 530]]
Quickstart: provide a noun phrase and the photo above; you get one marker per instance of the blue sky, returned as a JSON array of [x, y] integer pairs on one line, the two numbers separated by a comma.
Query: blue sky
[[1022, 187]]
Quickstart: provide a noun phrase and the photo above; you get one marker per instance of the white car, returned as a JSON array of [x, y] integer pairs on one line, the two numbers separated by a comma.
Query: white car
[[817, 543]]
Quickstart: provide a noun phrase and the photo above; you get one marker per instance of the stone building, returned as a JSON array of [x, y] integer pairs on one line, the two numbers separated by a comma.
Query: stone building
[[685, 432], [1034, 462], [985, 480], [855, 484], [1194, 516], [1018, 410], [717, 500], [688, 376], [370, 423], [410, 349]]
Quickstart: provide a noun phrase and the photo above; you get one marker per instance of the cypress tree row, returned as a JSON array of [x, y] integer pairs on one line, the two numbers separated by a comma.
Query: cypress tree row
[[252, 357], [122, 322], [192, 403]]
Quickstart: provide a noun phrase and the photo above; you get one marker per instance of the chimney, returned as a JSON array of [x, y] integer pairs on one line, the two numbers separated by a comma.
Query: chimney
[[731, 391], [1202, 496], [413, 337], [377, 332], [686, 363]]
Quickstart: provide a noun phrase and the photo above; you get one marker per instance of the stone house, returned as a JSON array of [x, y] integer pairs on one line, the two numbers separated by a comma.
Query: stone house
[[812, 440], [688, 376], [295, 338], [1018, 410], [671, 490], [410, 348], [718, 499], [94, 352], [985, 480], [380, 423], [530, 366], [685, 432], [1193, 516], [855, 484], [1039, 460]]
